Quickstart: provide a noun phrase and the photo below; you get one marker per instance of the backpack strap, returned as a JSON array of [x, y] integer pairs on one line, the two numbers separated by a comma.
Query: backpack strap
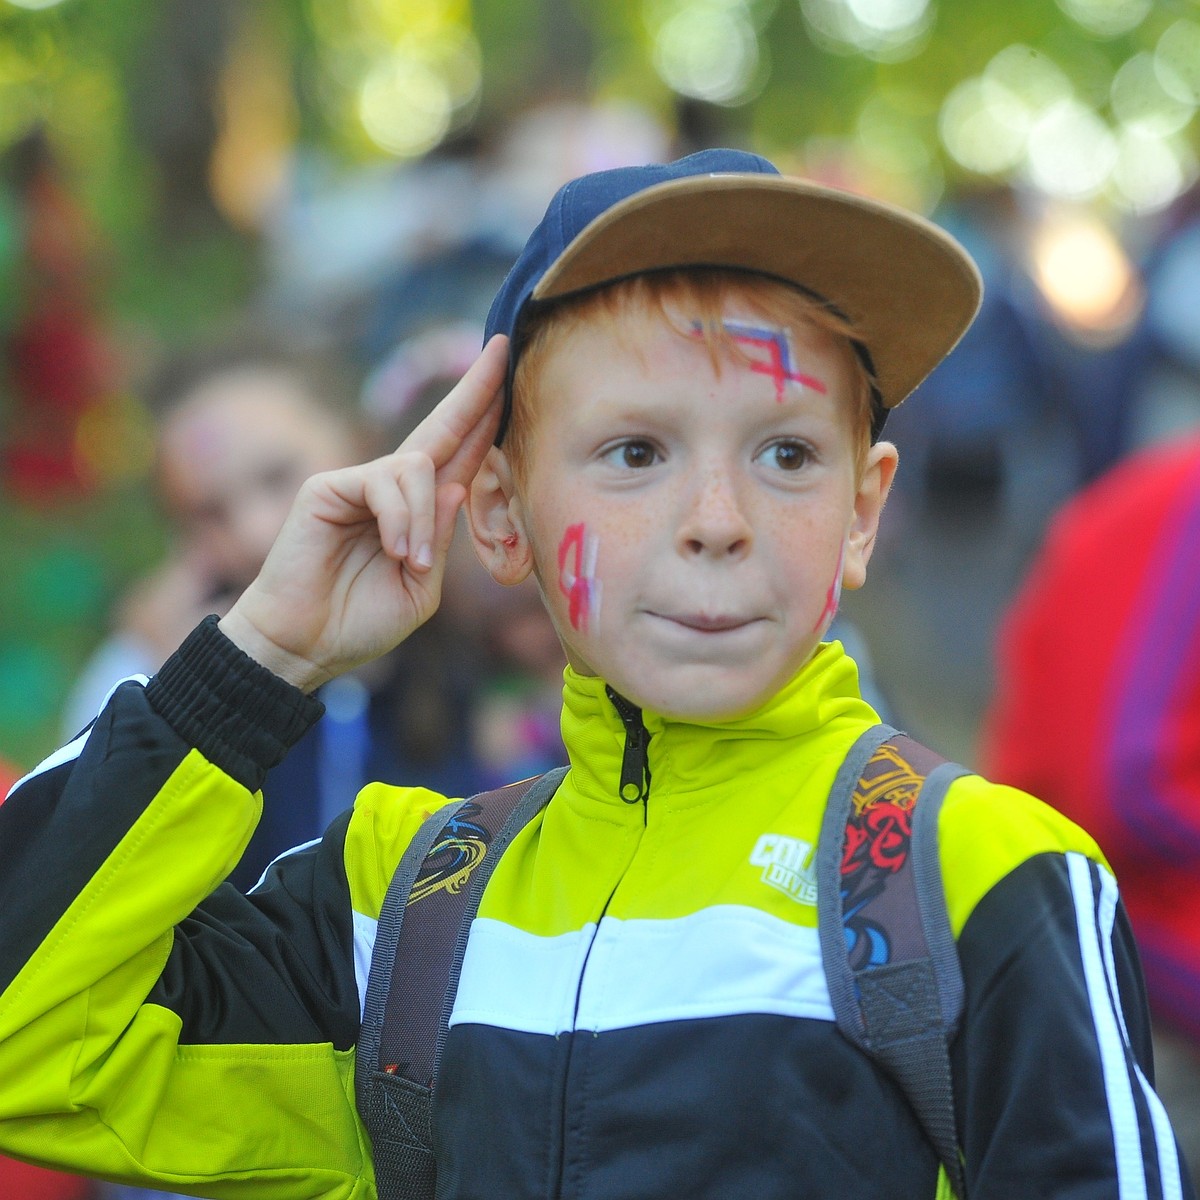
[[894, 976], [415, 965]]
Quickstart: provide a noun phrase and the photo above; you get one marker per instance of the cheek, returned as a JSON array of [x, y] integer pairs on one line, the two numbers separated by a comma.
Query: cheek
[[832, 596], [810, 558], [578, 583]]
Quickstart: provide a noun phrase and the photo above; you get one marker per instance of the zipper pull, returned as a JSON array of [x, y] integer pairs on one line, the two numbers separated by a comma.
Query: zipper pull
[[635, 762]]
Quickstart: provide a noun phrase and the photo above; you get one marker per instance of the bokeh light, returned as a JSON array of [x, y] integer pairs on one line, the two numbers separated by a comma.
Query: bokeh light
[[987, 121], [1150, 172], [1107, 18], [1085, 274], [402, 75], [1021, 118], [1141, 102], [708, 50], [1071, 151], [886, 30], [984, 125], [1177, 61], [404, 105], [1033, 77]]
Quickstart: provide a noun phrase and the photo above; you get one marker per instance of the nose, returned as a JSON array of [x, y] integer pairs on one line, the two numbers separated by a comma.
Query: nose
[[714, 520]]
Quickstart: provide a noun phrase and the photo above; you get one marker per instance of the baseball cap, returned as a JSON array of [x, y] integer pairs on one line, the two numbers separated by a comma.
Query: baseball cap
[[906, 286]]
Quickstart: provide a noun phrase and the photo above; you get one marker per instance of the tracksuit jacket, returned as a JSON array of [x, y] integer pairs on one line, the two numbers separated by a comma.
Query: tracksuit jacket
[[642, 1011]]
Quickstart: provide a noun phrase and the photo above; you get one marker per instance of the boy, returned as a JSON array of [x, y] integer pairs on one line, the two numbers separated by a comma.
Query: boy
[[691, 469]]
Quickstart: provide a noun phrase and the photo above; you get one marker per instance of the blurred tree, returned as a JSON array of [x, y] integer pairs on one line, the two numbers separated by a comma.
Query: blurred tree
[[178, 126], [917, 94]]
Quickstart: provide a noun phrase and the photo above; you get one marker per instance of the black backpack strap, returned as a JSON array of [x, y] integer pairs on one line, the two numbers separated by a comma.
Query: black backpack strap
[[889, 953], [415, 964]]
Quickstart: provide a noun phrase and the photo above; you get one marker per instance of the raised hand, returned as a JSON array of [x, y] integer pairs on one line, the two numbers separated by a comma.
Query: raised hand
[[358, 564]]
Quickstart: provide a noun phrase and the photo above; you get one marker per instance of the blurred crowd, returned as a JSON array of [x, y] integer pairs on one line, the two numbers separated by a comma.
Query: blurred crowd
[[1085, 357]]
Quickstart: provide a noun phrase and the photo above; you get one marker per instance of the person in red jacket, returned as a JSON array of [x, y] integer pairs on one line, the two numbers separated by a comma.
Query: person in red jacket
[[1097, 710]]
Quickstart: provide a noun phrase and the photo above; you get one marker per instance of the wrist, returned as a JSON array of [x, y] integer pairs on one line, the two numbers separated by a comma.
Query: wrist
[[230, 707], [293, 668]]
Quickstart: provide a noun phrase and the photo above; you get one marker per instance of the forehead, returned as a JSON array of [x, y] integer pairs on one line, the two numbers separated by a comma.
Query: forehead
[[242, 422], [732, 339], [624, 314]]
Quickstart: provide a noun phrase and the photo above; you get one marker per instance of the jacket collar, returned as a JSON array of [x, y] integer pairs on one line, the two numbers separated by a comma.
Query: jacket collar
[[691, 761]]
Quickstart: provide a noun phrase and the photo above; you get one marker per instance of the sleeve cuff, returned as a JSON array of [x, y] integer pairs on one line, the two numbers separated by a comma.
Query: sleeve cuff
[[240, 716]]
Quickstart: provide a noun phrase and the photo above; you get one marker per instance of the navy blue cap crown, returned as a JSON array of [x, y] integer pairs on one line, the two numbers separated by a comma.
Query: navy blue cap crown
[[732, 210], [575, 206], [577, 203]]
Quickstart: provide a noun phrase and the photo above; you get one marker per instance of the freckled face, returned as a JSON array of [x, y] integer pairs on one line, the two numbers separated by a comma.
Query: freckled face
[[714, 512]]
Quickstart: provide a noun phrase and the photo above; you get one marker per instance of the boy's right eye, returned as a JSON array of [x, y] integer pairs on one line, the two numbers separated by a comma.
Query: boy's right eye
[[632, 454]]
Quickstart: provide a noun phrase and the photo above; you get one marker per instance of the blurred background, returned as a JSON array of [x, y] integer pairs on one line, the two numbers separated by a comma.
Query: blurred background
[[199, 197], [356, 172]]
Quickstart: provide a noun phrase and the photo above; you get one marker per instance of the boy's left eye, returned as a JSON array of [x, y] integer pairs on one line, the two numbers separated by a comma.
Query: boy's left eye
[[634, 453], [785, 455]]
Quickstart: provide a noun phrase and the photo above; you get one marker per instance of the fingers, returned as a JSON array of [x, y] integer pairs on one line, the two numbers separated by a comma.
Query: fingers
[[414, 508], [457, 433], [401, 493], [438, 460], [414, 491]]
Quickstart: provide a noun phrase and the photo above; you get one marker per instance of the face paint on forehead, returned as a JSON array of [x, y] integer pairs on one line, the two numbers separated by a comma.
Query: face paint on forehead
[[577, 553], [779, 361]]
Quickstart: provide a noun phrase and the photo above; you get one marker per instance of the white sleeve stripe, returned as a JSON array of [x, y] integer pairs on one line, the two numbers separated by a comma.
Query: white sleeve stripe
[[74, 748], [365, 930], [64, 754], [279, 858], [1118, 1087], [1164, 1141], [1164, 1136]]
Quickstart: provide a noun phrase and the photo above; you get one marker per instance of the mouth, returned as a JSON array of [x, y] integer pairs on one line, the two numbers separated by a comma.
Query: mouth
[[707, 622]]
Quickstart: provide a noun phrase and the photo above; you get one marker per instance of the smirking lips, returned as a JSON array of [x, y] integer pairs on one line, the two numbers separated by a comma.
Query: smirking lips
[[779, 362], [577, 553]]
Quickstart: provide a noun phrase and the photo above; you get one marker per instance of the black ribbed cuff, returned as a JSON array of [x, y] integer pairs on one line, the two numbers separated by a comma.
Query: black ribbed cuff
[[240, 716]]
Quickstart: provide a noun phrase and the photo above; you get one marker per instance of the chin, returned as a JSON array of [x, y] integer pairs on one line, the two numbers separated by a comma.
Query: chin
[[704, 704], [707, 694]]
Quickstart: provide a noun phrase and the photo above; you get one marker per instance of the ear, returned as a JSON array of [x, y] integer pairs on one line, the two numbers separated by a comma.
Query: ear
[[873, 487], [496, 520]]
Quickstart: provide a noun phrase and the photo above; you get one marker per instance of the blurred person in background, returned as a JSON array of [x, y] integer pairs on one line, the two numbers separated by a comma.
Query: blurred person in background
[[1097, 709], [990, 397], [239, 425], [1167, 401]]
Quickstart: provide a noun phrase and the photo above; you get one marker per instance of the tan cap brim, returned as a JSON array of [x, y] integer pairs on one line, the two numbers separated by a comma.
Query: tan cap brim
[[909, 289]]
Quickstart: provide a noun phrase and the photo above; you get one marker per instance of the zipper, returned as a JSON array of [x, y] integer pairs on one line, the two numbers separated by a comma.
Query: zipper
[[634, 786]]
